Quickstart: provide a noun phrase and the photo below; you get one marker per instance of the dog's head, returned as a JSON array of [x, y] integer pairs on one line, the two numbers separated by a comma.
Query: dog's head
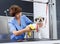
[[39, 19]]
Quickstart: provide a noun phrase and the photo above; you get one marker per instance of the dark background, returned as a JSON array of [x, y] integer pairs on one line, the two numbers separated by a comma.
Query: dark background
[[58, 17], [5, 4]]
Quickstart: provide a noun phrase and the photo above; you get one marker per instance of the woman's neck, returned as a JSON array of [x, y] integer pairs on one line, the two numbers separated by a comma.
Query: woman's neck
[[18, 15], [17, 18], [18, 21]]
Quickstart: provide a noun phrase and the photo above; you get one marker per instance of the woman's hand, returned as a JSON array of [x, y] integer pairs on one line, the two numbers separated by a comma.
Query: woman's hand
[[28, 29]]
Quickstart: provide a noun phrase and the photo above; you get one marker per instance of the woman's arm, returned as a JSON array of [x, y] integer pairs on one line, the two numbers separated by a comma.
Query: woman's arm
[[27, 29], [15, 32]]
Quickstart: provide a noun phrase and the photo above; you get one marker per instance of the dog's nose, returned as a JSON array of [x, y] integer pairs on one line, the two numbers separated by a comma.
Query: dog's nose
[[40, 20]]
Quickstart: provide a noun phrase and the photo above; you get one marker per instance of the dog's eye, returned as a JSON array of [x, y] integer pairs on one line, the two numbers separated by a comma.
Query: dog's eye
[[43, 18], [36, 19]]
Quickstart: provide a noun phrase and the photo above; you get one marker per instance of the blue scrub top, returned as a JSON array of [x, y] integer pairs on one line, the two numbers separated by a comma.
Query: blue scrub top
[[14, 26]]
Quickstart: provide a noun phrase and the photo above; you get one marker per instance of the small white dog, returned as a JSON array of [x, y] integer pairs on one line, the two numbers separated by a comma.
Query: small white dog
[[38, 28], [40, 32], [35, 26]]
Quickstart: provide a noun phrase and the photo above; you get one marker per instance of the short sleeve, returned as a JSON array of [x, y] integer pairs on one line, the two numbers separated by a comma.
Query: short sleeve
[[27, 20], [11, 27]]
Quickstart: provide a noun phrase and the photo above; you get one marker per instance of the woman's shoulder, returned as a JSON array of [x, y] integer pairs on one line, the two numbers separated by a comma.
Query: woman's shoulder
[[23, 16], [11, 20]]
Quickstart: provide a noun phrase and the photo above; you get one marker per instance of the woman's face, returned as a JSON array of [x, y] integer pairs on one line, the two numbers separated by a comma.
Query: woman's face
[[10, 12]]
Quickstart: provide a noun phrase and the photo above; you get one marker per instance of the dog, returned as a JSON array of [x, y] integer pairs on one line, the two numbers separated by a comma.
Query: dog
[[41, 32], [35, 25]]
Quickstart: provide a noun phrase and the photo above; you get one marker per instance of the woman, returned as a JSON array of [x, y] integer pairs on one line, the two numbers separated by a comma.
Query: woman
[[19, 24]]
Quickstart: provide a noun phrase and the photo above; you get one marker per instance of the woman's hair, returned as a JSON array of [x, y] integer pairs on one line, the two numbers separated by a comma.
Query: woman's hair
[[14, 9]]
